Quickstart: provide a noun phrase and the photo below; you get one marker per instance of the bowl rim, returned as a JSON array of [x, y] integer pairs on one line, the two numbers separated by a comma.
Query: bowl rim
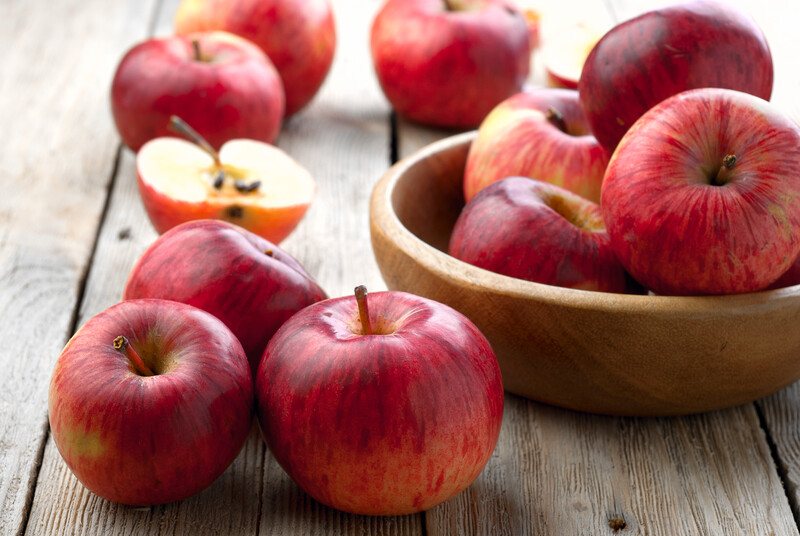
[[383, 216]]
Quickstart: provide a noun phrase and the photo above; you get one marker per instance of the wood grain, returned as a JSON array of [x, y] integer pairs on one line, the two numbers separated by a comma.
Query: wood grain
[[58, 155]]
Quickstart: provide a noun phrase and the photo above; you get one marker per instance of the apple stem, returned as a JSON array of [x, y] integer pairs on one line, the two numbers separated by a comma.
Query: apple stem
[[121, 344], [556, 118], [363, 310], [198, 56], [727, 164], [183, 128]]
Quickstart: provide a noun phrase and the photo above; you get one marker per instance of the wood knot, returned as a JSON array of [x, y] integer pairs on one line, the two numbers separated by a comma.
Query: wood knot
[[617, 524]]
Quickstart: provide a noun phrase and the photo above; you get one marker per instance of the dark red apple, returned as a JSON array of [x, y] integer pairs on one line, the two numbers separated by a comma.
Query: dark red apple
[[380, 407], [244, 280], [150, 402], [702, 196], [449, 62], [790, 277], [644, 60], [221, 84], [539, 232]]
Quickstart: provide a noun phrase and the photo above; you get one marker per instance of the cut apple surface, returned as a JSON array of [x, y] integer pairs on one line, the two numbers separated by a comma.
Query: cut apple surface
[[250, 183], [564, 53]]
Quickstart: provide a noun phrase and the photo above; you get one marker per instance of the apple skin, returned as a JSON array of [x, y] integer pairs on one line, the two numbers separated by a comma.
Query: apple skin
[[225, 270], [449, 68], [382, 424], [790, 277], [641, 62], [143, 440], [234, 93], [539, 232], [675, 231], [517, 139], [299, 36]]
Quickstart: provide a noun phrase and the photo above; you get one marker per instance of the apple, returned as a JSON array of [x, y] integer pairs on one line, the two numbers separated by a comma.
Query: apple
[[221, 84], [380, 405], [541, 134], [248, 182], [566, 51], [449, 62], [702, 195], [150, 402], [790, 277], [643, 61], [244, 280], [299, 36], [539, 232]]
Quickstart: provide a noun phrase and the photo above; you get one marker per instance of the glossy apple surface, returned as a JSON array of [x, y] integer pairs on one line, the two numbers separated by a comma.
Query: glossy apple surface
[[542, 134], [247, 282], [157, 433], [299, 36], [702, 196], [691, 45], [231, 90], [539, 232], [449, 62], [386, 423], [254, 185]]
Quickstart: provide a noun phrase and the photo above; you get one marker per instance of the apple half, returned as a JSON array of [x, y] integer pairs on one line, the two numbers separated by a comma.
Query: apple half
[[250, 183], [565, 52]]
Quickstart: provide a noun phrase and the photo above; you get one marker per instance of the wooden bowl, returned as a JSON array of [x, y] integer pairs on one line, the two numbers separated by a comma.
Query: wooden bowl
[[590, 351]]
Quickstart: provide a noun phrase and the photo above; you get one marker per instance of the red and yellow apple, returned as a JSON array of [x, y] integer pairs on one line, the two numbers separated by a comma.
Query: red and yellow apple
[[247, 282], [150, 402], [644, 60], [702, 195], [542, 134], [299, 36], [539, 232], [384, 405], [449, 62], [221, 84]]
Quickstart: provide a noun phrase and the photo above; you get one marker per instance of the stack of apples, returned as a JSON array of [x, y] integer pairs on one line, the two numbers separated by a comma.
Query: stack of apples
[[697, 176]]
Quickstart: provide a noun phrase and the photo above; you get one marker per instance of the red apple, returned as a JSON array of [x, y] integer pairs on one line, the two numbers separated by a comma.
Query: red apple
[[248, 182], [380, 407], [643, 61], [247, 282], [790, 277], [222, 85], [150, 402], [299, 36], [702, 196], [541, 134], [536, 231], [449, 62]]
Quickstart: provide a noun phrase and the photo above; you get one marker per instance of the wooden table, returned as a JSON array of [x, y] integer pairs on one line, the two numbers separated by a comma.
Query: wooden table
[[71, 226]]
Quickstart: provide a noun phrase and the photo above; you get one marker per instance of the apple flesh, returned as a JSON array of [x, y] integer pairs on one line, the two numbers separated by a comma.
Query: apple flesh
[[250, 183], [702, 196], [566, 51], [299, 36], [221, 84], [247, 282], [641, 62], [449, 62], [380, 407], [542, 134], [150, 402], [539, 232]]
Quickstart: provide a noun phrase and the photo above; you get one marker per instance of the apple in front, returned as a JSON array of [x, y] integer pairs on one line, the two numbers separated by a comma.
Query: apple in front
[[150, 402], [449, 62], [383, 405], [247, 282], [539, 232], [250, 183], [221, 84], [702, 196], [299, 36], [644, 60], [542, 134]]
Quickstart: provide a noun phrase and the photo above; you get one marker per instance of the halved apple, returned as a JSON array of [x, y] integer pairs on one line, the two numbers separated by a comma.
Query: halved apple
[[565, 51], [250, 183]]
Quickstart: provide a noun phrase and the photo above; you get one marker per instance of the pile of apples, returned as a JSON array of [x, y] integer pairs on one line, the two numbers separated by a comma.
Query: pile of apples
[[697, 176]]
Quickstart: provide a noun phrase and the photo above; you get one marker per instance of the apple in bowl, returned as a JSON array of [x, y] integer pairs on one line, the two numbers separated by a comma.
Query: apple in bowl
[[542, 134], [221, 84], [150, 401]]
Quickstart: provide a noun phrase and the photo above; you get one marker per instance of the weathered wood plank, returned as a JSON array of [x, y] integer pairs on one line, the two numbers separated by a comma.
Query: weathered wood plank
[[54, 84]]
